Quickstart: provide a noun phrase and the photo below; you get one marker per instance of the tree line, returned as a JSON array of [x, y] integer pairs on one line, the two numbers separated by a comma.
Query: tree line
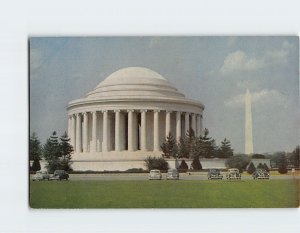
[[192, 146], [56, 151]]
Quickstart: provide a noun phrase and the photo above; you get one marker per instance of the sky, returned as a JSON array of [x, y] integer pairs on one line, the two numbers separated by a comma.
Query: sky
[[213, 70]]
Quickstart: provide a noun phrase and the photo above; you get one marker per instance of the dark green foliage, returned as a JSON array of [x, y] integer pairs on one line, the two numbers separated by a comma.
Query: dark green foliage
[[276, 158], [169, 147], [207, 146], [258, 156], [35, 150], [294, 157], [156, 163], [225, 150], [265, 166], [251, 168], [36, 166], [183, 166], [282, 164], [58, 154], [183, 149], [51, 149], [135, 170], [260, 166], [65, 148], [238, 161], [196, 164]]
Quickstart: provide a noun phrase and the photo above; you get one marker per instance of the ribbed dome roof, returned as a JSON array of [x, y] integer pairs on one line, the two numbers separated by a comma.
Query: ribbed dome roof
[[134, 82]]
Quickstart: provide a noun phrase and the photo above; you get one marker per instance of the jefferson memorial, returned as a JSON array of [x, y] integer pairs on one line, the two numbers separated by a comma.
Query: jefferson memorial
[[125, 119]]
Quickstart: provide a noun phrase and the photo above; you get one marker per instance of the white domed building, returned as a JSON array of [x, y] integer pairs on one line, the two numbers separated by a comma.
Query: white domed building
[[126, 118]]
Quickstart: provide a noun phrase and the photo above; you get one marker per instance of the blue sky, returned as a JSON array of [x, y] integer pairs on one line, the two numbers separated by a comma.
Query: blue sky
[[214, 70]]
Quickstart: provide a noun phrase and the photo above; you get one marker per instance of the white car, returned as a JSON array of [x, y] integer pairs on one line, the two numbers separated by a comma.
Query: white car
[[233, 174], [155, 175], [41, 175]]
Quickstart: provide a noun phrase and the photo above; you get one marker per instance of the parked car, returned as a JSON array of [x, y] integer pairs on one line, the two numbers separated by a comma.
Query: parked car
[[260, 174], [60, 175], [172, 174], [41, 175], [214, 174], [155, 175], [233, 173]]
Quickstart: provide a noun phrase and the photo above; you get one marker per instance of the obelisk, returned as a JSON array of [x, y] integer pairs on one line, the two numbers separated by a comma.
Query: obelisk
[[248, 124]]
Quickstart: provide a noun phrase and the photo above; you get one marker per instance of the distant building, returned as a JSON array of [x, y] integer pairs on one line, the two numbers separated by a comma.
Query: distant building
[[126, 118]]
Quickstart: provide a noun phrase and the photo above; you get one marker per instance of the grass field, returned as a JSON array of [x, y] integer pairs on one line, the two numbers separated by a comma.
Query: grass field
[[164, 194]]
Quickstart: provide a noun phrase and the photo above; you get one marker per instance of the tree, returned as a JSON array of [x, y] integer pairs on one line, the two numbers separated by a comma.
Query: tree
[[169, 147], [207, 145], [282, 164], [58, 154], [35, 152], [183, 150], [251, 168], [65, 148], [156, 163], [238, 161], [196, 164], [225, 150], [258, 156], [51, 149], [65, 151], [295, 157]]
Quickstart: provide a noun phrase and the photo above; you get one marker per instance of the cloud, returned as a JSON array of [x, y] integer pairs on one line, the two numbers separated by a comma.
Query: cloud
[[239, 61], [262, 97]]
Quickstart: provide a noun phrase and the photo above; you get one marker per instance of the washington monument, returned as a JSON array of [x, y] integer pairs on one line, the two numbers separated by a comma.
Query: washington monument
[[248, 124]]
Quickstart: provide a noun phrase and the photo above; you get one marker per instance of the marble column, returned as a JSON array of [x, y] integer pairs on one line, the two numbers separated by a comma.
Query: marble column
[[69, 126], [143, 130], [187, 123], [168, 123], [105, 132], [130, 130], [194, 123], [198, 132], [78, 133], [178, 126], [117, 130], [156, 131], [73, 135], [201, 125], [94, 132], [85, 132]]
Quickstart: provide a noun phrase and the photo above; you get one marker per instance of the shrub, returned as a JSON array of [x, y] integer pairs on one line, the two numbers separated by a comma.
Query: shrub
[[282, 169], [156, 163], [183, 166], [135, 170], [251, 168], [265, 166], [36, 166], [196, 164]]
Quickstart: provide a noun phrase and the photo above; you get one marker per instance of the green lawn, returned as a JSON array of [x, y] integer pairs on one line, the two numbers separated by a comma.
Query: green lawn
[[164, 194]]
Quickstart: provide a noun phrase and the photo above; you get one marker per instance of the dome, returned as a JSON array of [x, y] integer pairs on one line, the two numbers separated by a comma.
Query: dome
[[134, 82]]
